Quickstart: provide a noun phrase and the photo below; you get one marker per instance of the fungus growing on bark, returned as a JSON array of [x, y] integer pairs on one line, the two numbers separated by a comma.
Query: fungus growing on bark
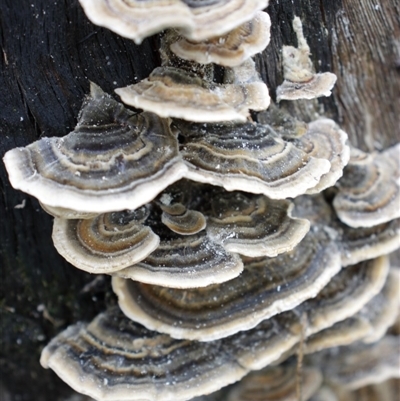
[[369, 192], [113, 160], [301, 82], [231, 49], [195, 20], [266, 287]]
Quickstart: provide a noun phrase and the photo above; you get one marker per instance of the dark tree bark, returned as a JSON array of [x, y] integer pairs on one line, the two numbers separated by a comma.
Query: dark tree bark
[[50, 52]]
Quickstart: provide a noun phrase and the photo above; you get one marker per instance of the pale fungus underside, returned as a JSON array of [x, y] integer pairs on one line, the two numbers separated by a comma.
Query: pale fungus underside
[[231, 49], [195, 20], [175, 92], [190, 218]]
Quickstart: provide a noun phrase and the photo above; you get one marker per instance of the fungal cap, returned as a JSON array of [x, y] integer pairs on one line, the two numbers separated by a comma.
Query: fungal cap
[[113, 160], [216, 311]]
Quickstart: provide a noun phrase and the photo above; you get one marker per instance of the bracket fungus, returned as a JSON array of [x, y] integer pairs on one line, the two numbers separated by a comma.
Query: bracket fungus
[[359, 364], [231, 49], [301, 82], [369, 324], [113, 160], [248, 157], [195, 20], [190, 218], [175, 92], [369, 192], [106, 243], [277, 383], [266, 287]]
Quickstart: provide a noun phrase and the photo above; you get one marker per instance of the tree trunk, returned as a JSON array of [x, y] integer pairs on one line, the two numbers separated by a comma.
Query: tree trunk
[[50, 52]]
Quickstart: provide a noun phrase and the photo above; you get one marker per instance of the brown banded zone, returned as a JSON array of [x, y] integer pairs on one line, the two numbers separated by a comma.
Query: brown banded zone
[[266, 287], [106, 243], [248, 157]]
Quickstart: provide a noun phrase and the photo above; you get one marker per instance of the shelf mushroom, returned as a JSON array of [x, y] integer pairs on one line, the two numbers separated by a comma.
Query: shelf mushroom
[[277, 383], [369, 192], [248, 157], [113, 160], [266, 287], [368, 325], [195, 20]]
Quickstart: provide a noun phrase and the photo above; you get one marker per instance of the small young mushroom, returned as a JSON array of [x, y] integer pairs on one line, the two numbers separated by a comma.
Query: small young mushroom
[[197, 20], [301, 82], [113, 160], [231, 49], [266, 287], [369, 191], [248, 157]]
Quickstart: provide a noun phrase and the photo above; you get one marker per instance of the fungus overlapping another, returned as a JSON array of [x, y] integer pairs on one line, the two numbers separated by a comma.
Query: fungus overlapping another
[[113, 160], [114, 358], [368, 325], [106, 243], [248, 157], [175, 92], [196, 20], [360, 364], [369, 192], [277, 383], [176, 248], [266, 287], [231, 49]]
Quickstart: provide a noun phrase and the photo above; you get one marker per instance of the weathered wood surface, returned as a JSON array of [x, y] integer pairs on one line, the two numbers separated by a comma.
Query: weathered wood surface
[[50, 51]]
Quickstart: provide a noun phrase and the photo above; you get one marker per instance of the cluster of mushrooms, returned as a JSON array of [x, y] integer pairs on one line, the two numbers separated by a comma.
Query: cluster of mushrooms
[[185, 205]]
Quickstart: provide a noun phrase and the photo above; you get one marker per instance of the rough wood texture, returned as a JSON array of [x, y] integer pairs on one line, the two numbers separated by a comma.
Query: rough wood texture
[[50, 51]]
